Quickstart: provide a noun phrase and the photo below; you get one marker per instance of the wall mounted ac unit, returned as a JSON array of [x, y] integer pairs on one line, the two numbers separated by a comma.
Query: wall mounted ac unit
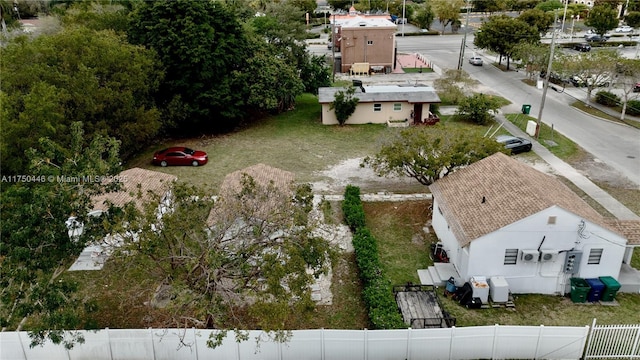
[[530, 255], [548, 255]]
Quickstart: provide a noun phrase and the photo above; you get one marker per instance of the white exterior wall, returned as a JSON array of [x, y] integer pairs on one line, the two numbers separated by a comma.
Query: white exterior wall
[[486, 254], [364, 113], [446, 236]]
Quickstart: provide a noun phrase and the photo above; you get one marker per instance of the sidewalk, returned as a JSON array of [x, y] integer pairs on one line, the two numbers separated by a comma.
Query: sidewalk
[[612, 205]]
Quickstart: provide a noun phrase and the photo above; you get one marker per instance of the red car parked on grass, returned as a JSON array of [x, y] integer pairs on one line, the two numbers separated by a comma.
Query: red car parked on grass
[[180, 156]]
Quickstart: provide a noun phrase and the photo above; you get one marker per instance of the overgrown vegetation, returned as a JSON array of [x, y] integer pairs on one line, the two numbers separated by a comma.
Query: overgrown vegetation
[[382, 308]]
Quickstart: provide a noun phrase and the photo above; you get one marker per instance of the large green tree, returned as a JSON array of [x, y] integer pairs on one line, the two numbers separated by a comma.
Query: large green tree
[[447, 11], [502, 33], [533, 57], [423, 16], [36, 247], [76, 75], [602, 18], [249, 251], [628, 70], [538, 18], [203, 47], [344, 104], [430, 153], [477, 108], [593, 68]]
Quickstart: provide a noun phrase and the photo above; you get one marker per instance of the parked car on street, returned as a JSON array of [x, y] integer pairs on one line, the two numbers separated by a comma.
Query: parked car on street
[[555, 78], [624, 29], [598, 81], [582, 47], [597, 38], [514, 143], [179, 156], [636, 87], [475, 60]]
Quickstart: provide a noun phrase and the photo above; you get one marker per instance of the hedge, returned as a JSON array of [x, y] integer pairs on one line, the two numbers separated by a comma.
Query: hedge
[[381, 305]]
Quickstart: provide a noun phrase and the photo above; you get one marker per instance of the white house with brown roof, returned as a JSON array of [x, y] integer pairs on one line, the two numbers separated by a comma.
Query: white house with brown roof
[[500, 217], [378, 104]]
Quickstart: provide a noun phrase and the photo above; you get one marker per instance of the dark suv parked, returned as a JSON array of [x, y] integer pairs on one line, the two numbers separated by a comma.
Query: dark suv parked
[[582, 47]]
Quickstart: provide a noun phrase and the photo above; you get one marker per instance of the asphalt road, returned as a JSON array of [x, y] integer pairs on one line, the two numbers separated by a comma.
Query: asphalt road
[[614, 144]]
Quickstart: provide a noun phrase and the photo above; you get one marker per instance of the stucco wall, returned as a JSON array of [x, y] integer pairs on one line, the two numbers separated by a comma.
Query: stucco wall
[[486, 254], [355, 49], [364, 113]]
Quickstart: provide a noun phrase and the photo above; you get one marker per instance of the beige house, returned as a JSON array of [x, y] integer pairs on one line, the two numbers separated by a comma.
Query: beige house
[[380, 104], [366, 40]]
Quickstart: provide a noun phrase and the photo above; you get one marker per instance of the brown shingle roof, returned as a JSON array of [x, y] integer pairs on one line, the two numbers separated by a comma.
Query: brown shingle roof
[[136, 185], [630, 229], [512, 191]]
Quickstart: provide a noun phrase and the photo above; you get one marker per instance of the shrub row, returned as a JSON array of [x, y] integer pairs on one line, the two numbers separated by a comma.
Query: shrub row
[[610, 99], [381, 305]]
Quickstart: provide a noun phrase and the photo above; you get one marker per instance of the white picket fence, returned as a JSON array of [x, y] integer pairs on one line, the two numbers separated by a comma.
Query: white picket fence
[[480, 342], [613, 341]]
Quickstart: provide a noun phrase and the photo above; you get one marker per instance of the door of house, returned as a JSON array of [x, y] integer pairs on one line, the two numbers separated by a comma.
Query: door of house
[[417, 113]]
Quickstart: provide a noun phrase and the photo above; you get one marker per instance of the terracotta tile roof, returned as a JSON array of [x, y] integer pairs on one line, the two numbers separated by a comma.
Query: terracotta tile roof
[[263, 175], [511, 191], [136, 185], [630, 229]]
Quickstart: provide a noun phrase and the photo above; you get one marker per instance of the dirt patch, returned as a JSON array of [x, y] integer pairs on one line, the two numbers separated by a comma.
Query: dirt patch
[[349, 172]]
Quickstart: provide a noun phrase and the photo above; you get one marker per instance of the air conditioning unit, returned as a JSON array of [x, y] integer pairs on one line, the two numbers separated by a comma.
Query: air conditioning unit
[[548, 255], [530, 255]]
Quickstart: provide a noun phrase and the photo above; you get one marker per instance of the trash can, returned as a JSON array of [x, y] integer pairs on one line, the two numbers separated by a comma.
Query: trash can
[[611, 287], [579, 290], [595, 293], [526, 108]]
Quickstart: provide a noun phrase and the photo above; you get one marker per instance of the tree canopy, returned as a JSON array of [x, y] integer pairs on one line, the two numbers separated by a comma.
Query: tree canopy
[[538, 18], [447, 11], [249, 251], [430, 153], [502, 33], [36, 247], [344, 104], [76, 75], [602, 18], [593, 68]]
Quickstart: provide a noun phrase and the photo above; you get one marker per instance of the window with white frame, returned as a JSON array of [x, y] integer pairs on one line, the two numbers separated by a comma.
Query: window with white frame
[[510, 256], [594, 256], [377, 107], [397, 107]]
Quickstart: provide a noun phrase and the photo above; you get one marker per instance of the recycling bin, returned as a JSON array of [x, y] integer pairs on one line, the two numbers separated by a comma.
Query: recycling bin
[[526, 109], [611, 287], [595, 293], [579, 290]]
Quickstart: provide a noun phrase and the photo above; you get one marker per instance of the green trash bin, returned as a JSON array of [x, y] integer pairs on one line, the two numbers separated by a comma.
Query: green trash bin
[[611, 287], [579, 290], [526, 108]]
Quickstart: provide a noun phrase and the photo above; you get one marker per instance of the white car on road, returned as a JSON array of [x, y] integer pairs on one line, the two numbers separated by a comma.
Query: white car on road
[[624, 29]]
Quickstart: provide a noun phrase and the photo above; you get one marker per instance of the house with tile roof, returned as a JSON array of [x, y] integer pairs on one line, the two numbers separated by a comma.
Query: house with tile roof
[[501, 217], [138, 186], [381, 104]]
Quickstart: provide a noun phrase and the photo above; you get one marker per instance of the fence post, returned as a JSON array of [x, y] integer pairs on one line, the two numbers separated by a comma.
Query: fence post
[[195, 341], [538, 342], [153, 346], [636, 341], [495, 340], [408, 352], [453, 334], [109, 340], [585, 353], [322, 344], [366, 344]]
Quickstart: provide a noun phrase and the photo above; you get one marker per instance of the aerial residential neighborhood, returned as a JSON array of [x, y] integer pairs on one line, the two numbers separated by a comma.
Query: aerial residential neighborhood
[[319, 179]]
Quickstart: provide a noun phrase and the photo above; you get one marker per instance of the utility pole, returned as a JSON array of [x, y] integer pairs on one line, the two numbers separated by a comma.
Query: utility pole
[[546, 78], [564, 16], [404, 19], [464, 39], [333, 46]]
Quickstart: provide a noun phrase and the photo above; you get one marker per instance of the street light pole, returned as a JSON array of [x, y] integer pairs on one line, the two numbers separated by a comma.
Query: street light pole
[[404, 19], [564, 16], [546, 78], [464, 39]]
